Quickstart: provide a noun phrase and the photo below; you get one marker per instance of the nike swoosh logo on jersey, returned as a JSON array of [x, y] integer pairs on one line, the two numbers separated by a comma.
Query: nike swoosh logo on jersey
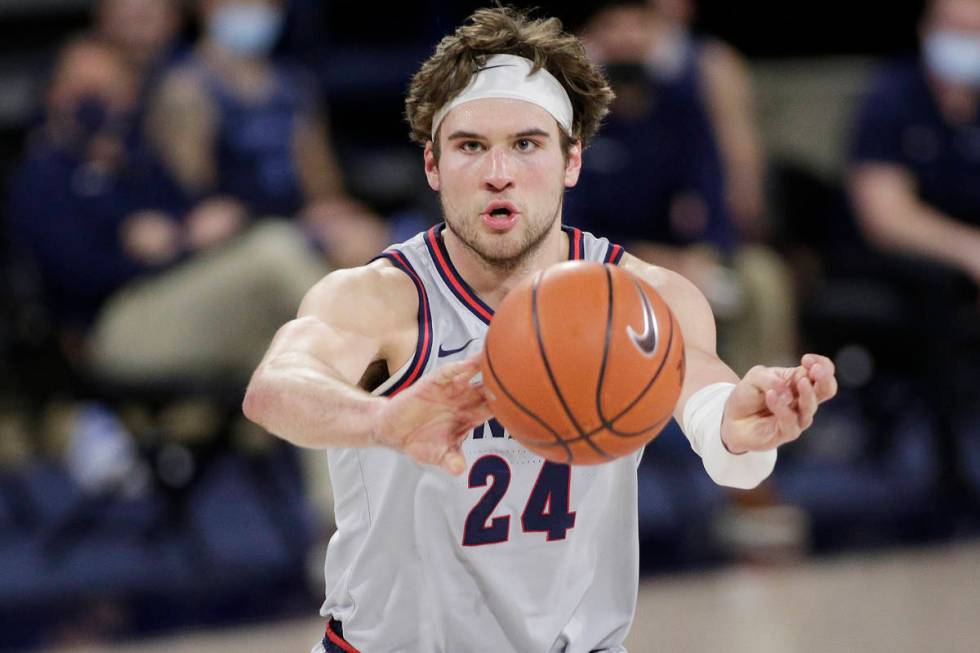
[[449, 352], [646, 342]]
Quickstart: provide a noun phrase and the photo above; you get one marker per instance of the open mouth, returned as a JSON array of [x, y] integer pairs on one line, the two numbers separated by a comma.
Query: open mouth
[[500, 215]]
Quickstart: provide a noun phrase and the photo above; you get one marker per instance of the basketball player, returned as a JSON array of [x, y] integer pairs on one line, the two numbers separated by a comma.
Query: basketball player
[[451, 537]]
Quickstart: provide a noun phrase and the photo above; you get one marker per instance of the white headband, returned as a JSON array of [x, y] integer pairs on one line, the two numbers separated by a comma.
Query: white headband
[[509, 76]]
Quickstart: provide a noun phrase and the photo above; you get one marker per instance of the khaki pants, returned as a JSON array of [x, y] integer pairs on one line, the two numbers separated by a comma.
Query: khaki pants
[[765, 330], [209, 318]]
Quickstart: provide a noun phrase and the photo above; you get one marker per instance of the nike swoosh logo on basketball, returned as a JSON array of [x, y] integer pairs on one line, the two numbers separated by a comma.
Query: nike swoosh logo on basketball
[[646, 342], [449, 352]]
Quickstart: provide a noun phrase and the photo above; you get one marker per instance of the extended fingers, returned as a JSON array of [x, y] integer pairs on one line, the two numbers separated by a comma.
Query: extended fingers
[[475, 409], [806, 403], [478, 413], [821, 373], [454, 379], [764, 379], [460, 370], [453, 461], [780, 403]]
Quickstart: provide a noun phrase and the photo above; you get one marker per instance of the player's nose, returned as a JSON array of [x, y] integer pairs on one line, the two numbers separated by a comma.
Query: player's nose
[[498, 175]]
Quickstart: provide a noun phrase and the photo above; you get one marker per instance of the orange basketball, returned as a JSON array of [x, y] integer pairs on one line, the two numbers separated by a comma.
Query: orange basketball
[[584, 363]]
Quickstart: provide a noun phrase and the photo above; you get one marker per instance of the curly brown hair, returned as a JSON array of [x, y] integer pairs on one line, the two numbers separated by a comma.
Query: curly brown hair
[[506, 30]]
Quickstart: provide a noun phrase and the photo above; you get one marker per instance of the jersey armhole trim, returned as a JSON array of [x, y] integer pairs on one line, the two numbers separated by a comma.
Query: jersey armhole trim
[[451, 278], [575, 249], [614, 254], [338, 640], [423, 348]]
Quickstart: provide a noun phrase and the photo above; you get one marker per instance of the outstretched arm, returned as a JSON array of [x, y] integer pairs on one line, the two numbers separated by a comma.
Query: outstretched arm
[[305, 389], [724, 416]]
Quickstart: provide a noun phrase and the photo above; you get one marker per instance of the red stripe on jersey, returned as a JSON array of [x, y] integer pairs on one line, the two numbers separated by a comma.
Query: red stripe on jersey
[[338, 641], [450, 274], [425, 324]]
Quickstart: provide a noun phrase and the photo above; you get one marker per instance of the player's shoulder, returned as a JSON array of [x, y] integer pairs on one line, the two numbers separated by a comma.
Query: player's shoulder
[[686, 301], [376, 294], [664, 281]]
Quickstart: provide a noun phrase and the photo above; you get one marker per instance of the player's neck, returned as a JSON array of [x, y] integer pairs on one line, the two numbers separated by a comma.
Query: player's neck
[[492, 283]]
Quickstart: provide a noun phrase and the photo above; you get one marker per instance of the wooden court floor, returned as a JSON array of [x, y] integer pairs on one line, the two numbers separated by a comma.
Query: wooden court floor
[[906, 601]]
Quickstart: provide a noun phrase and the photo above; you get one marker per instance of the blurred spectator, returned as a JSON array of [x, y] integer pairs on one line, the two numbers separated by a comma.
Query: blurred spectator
[[654, 179], [233, 123], [914, 182], [143, 288], [718, 73], [915, 178], [144, 31]]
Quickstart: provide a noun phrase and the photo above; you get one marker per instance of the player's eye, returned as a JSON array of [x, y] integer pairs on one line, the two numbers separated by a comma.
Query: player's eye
[[525, 144], [471, 146]]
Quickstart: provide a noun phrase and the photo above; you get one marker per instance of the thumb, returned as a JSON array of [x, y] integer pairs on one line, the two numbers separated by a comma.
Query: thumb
[[453, 461]]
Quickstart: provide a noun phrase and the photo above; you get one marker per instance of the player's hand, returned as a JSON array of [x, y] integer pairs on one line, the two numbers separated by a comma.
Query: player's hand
[[774, 405], [429, 420]]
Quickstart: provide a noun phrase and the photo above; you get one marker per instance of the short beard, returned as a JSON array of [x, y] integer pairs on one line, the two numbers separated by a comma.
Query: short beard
[[531, 244]]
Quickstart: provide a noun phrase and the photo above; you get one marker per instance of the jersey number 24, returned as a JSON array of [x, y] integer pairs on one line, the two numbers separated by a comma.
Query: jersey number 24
[[546, 510]]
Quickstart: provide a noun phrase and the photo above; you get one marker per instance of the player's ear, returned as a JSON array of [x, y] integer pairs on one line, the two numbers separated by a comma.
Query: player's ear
[[431, 166], [573, 166]]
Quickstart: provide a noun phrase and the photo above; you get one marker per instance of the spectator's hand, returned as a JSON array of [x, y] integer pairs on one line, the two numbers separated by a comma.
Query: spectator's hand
[[151, 237], [774, 405], [214, 221], [350, 233], [429, 420]]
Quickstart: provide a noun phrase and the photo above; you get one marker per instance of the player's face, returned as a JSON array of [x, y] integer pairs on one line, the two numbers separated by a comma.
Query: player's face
[[501, 176]]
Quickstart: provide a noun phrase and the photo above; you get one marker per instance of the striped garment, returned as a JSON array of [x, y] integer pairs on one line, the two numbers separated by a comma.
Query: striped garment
[[516, 554]]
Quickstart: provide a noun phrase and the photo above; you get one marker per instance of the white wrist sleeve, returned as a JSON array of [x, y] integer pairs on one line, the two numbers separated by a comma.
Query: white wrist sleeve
[[702, 426]]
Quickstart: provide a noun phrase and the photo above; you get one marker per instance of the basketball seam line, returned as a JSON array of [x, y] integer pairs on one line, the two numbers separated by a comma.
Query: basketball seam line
[[558, 439], [547, 367], [608, 423], [605, 422]]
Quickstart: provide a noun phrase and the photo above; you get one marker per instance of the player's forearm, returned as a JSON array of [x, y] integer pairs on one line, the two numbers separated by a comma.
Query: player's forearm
[[309, 406], [700, 413]]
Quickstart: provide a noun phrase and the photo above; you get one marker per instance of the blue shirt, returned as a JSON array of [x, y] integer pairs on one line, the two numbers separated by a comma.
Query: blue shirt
[[900, 123], [255, 153], [636, 168], [68, 215]]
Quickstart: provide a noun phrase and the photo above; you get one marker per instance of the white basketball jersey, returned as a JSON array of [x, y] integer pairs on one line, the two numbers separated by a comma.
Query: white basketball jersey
[[515, 554]]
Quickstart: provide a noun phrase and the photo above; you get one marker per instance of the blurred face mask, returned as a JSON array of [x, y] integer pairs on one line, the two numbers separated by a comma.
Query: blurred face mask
[[953, 57], [247, 29]]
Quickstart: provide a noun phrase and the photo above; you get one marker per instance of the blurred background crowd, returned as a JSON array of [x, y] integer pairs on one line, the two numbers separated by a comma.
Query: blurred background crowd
[[176, 174]]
